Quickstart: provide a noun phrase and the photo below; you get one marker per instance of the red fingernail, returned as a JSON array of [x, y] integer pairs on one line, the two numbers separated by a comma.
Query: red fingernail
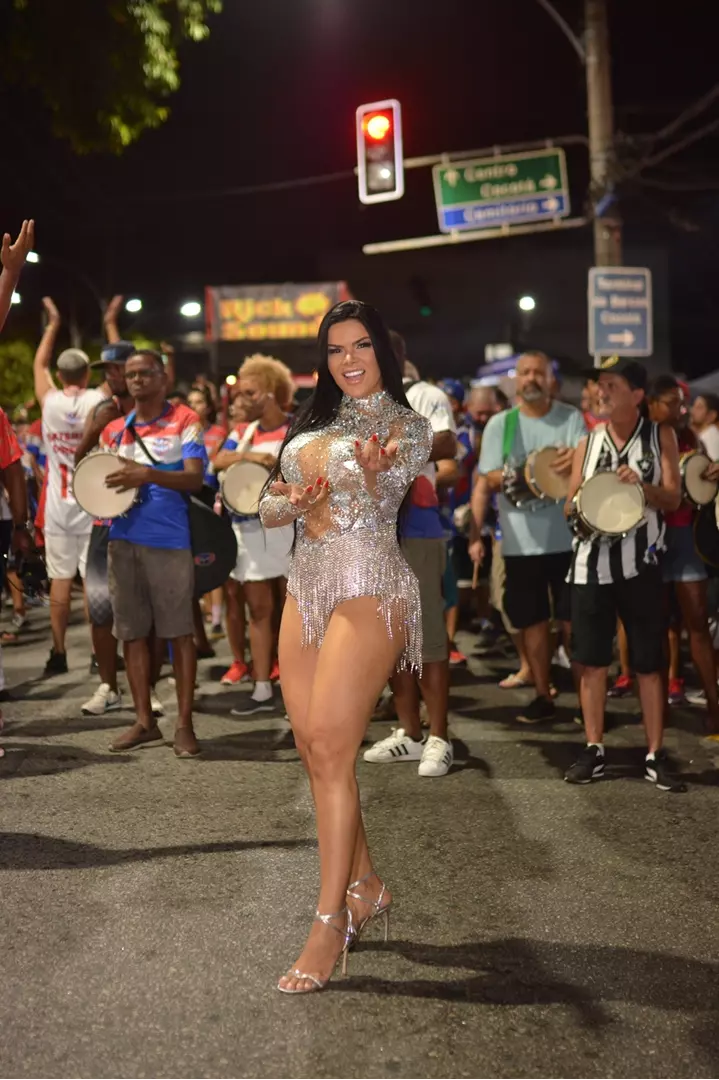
[[374, 438], [319, 479], [382, 450], [327, 483], [309, 488], [357, 442]]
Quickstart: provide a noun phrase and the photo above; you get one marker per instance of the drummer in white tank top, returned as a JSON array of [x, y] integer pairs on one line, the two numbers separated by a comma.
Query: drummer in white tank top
[[67, 527]]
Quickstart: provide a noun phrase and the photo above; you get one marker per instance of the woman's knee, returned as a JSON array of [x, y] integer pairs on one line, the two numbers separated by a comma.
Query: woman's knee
[[327, 758]]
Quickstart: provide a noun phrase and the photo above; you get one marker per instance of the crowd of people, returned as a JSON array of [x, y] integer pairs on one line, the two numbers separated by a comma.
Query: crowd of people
[[563, 534]]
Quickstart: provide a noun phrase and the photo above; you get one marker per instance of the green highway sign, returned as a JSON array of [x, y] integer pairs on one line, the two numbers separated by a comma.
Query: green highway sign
[[501, 190]]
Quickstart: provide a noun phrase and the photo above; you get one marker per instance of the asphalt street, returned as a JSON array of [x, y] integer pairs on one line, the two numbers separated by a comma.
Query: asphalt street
[[540, 930]]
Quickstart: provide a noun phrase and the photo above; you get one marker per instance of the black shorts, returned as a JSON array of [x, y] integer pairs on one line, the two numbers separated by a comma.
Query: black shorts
[[638, 603], [97, 588], [530, 581]]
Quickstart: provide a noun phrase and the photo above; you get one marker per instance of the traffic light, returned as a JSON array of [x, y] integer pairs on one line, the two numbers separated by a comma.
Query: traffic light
[[379, 151]]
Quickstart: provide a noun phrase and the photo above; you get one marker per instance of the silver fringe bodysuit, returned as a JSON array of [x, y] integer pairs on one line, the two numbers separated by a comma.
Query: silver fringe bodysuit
[[347, 545]]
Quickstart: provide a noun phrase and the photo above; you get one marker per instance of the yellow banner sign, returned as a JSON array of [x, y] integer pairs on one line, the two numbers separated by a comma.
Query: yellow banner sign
[[270, 312]]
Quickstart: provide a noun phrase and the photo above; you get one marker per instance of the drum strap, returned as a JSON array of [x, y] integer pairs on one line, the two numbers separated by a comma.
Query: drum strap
[[509, 435], [138, 439], [206, 494]]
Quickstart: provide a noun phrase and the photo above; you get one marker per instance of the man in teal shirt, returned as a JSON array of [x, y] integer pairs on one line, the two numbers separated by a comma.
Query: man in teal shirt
[[536, 541]]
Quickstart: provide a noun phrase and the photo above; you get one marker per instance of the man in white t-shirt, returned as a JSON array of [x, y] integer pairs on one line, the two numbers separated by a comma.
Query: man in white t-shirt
[[67, 526], [705, 422], [424, 545]]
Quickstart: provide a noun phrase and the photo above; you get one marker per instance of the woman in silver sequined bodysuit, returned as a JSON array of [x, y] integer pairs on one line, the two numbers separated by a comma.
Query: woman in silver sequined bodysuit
[[352, 613]]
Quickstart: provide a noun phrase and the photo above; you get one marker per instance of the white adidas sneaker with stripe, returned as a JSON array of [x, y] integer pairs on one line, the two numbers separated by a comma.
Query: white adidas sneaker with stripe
[[437, 757], [396, 747]]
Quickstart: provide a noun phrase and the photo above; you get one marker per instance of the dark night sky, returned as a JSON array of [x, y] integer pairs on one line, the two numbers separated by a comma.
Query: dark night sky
[[271, 96]]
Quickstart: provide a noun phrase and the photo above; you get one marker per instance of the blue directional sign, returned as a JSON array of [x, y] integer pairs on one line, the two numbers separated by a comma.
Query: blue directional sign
[[504, 213], [501, 190], [620, 311]]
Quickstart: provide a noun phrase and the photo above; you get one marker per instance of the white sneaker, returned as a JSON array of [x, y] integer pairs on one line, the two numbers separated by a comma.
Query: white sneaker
[[561, 659], [158, 709], [437, 757], [103, 700], [396, 747]]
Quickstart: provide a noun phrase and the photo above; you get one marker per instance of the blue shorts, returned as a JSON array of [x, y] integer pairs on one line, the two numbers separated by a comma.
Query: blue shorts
[[680, 561]]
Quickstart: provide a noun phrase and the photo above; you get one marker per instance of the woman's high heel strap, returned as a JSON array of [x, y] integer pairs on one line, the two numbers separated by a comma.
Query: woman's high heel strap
[[376, 904]]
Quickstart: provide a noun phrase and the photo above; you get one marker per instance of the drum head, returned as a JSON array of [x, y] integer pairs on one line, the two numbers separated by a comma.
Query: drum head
[[542, 477], [90, 492], [241, 487], [609, 506], [700, 491]]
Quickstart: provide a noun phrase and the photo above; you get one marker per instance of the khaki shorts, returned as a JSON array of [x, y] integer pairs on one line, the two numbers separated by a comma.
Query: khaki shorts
[[150, 587], [428, 559], [497, 579]]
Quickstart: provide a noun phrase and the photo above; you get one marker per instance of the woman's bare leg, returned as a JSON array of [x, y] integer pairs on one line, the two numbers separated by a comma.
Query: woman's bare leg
[[342, 699], [296, 692]]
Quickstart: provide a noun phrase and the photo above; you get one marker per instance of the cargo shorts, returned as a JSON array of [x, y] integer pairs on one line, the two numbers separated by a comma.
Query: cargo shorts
[[150, 587]]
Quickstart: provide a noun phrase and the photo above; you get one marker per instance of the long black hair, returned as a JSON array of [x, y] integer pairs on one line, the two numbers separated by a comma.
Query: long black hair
[[321, 408]]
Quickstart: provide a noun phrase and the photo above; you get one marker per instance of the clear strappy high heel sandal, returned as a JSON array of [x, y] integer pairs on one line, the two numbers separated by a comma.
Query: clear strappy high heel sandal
[[376, 904], [348, 934]]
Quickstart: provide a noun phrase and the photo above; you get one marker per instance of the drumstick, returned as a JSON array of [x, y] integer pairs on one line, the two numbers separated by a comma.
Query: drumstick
[[475, 576]]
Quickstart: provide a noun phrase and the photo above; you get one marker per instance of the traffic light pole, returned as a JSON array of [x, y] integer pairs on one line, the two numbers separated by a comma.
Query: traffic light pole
[[600, 113]]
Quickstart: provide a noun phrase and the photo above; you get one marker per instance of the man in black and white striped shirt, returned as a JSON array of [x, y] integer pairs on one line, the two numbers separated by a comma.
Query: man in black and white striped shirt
[[621, 578]]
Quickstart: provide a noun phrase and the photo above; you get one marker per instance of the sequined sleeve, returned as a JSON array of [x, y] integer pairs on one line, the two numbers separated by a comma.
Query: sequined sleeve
[[276, 510], [413, 435]]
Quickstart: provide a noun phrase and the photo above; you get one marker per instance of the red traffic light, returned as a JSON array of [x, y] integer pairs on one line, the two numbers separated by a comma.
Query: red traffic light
[[377, 126], [380, 165]]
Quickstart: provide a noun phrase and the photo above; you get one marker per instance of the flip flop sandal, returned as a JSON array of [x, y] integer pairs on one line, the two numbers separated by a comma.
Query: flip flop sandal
[[515, 682]]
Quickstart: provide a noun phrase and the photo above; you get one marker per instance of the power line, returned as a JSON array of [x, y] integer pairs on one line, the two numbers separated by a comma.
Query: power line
[[565, 28], [681, 145], [690, 112], [669, 185], [250, 189]]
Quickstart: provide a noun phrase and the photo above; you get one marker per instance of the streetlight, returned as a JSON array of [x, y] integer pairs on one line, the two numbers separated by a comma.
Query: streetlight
[[15, 298], [133, 306], [191, 309], [527, 303]]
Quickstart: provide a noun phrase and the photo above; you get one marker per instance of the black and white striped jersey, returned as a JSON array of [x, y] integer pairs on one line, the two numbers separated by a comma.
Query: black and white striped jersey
[[602, 562]]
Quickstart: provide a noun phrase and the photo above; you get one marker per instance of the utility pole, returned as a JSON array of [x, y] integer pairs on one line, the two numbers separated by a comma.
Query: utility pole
[[600, 111]]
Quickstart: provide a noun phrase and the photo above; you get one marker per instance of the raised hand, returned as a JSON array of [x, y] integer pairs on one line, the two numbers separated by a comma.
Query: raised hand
[[373, 457], [302, 498], [13, 256], [113, 308], [53, 315]]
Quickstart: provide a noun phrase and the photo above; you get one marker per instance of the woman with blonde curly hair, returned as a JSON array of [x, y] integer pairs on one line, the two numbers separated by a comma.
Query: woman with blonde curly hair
[[265, 389]]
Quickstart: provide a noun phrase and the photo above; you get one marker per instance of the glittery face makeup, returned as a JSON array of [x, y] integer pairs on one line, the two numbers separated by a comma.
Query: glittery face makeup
[[347, 545], [351, 359]]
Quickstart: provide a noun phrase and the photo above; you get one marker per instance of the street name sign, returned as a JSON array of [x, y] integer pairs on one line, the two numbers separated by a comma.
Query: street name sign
[[620, 310], [501, 190]]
